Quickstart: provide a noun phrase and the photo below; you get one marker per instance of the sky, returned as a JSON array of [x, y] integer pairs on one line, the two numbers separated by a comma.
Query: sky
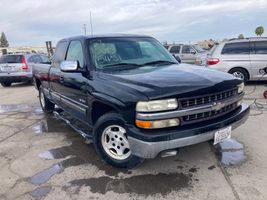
[[32, 22]]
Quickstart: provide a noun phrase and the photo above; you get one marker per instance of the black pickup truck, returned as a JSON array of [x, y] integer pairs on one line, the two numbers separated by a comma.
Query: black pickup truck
[[136, 99]]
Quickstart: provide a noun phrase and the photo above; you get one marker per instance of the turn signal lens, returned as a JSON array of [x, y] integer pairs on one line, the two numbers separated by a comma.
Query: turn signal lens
[[143, 124], [158, 123]]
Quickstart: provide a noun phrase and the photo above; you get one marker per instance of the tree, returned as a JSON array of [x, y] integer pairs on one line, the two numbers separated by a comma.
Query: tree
[[241, 36], [259, 30], [3, 40]]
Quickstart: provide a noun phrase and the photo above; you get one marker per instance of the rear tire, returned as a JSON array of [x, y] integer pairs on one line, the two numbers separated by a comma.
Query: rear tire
[[46, 105], [111, 143], [6, 84], [240, 73]]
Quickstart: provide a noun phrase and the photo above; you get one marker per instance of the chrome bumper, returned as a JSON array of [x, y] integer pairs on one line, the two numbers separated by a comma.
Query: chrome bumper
[[152, 149]]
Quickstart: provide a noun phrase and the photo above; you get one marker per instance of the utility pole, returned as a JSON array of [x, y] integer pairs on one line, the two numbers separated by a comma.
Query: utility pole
[[84, 28], [91, 23]]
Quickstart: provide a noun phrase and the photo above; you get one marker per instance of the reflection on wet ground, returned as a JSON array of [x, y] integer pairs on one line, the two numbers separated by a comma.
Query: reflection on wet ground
[[14, 108], [147, 184], [40, 192], [230, 152], [43, 176]]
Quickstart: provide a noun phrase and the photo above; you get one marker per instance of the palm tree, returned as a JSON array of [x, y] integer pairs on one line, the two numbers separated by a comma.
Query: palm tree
[[259, 31]]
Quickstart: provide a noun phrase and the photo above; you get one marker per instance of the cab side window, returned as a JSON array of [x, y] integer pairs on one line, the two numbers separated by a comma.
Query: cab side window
[[75, 53]]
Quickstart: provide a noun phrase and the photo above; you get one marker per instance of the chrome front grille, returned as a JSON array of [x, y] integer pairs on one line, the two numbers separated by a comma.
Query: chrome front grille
[[210, 114], [191, 102]]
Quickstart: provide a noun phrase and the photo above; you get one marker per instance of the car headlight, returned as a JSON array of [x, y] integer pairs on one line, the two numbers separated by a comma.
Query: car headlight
[[240, 88], [156, 105]]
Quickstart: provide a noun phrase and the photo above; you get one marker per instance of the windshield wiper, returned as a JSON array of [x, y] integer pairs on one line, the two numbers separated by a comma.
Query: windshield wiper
[[159, 62], [121, 64]]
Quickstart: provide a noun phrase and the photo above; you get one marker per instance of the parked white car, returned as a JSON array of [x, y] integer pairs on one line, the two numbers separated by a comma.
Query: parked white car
[[241, 57]]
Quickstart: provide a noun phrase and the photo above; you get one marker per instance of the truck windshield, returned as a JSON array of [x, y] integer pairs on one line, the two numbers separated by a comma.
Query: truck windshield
[[124, 52]]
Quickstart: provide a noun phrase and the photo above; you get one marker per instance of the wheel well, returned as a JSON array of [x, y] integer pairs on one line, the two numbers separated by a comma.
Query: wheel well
[[240, 68], [38, 83], [99, 109]]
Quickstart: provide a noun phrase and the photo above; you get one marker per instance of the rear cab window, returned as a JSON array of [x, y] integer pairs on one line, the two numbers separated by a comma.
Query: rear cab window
[[236, 48], [60, 53], [11, 59]]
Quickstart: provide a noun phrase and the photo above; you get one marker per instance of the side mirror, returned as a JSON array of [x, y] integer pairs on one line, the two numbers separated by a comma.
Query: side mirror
[[193, 52], [177, 58], [69, 66]]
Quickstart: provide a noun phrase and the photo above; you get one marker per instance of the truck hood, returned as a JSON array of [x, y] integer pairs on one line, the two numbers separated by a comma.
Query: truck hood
[[183, 80]]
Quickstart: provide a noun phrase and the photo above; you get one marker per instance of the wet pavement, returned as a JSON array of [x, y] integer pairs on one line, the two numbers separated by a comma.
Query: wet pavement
[[42, 157]]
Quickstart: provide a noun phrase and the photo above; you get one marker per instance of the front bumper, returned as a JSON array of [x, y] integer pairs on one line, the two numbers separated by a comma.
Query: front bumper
[[150, 145]]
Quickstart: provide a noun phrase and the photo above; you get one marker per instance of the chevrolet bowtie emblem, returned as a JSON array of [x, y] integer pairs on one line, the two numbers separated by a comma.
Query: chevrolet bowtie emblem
[[218, 106]]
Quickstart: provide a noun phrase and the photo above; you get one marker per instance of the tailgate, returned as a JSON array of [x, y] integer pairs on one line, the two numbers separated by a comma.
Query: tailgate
[[10, 67]]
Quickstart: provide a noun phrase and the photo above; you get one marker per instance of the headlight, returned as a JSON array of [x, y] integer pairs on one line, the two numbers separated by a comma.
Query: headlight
[[157, 105], [158, 123], [240, 88]]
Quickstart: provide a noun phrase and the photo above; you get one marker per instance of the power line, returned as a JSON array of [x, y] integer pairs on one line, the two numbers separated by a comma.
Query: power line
[[84, 28]]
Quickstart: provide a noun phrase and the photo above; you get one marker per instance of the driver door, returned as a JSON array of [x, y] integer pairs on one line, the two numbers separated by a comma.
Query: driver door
[[74, 85]]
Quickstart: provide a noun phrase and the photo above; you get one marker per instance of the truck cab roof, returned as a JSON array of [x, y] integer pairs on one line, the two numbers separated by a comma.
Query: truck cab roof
[[79, 37]]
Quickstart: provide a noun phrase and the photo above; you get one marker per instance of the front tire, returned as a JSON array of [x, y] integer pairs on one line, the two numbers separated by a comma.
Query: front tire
[[111, 143], [6, 84], [46, 105]]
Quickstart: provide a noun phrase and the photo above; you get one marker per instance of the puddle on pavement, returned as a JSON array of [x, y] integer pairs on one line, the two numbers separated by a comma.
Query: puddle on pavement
[[40, 192], [14, 108], [230, 152], [51, 124], [148, 184], [43, 176]]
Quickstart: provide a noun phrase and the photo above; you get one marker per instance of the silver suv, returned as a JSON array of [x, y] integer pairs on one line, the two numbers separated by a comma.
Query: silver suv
[[192, 54], [241, 57], [18, 67]]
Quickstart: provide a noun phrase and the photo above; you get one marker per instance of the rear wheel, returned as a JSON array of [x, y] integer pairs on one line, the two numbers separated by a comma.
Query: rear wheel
[[45, 103], [6, 84], [111, 142], [240, 73]]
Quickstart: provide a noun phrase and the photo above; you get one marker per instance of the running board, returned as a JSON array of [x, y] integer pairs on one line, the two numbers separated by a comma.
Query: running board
[[75, 124]]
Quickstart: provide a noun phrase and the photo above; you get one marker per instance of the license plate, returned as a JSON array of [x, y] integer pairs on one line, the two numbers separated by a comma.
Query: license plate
[[7, 68], [222, 135]]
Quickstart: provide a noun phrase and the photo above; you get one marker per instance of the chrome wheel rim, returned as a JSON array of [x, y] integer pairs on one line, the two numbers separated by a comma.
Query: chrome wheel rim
[[42, 99], [115, 142], [239, 75]]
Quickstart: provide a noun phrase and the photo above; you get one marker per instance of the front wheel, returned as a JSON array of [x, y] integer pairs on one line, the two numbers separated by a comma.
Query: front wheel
[[6, 84], [46, 105], [111, 142]]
